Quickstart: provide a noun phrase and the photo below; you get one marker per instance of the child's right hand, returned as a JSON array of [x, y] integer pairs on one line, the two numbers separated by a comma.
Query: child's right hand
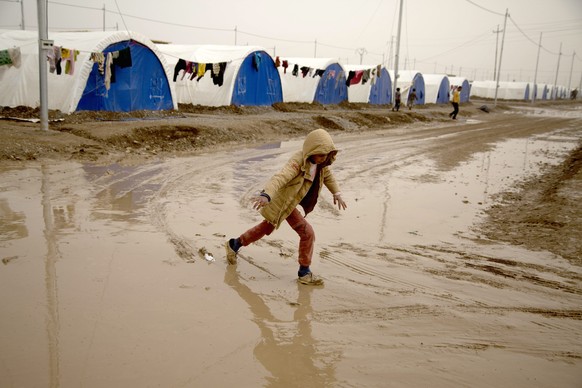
[[260, 201]]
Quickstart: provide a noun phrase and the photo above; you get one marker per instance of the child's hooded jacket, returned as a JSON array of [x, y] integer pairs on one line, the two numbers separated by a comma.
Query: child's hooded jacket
[[288, 187]]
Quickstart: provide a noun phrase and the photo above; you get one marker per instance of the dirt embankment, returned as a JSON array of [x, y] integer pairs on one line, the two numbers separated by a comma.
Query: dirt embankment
[[543, 213], [118, 135]]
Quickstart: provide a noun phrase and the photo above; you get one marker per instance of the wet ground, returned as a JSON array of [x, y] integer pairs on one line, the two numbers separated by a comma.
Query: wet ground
[[104, 280]]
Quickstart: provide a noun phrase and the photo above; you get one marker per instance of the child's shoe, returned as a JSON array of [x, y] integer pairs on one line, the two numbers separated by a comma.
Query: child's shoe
[[310, 279], [230, 252]]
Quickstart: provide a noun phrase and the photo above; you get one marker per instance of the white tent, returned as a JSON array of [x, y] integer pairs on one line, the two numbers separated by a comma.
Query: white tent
[[506, 91], [374, 89], [142, 85], [483, 89], [543, 91], [249, 75], [311, 80], [513, 91], [436, 87], [464, 84]]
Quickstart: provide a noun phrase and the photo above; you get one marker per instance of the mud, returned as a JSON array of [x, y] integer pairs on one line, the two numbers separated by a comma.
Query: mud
[[456, 262]]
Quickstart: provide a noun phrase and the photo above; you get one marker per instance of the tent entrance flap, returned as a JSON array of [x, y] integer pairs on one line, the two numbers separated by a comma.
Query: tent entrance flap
[[141, 86], [257, 81], [332, 88]]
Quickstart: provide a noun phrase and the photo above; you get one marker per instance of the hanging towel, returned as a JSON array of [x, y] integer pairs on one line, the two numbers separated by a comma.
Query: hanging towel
[[15, 56], [201, 70], [257, 61], [108, 62], [99, 59]]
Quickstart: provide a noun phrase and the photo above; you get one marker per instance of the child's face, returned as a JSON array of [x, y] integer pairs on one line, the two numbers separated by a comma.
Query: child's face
[[318, 159]]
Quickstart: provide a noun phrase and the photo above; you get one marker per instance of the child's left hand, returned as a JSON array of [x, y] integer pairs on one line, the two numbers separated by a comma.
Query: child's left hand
[[337, 199]]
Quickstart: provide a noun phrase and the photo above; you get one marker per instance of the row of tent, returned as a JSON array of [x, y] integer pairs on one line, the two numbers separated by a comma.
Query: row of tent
[[126, 71], [519, 90]]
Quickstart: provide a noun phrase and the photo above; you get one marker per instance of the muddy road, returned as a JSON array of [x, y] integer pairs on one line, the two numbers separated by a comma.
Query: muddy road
[[104, 281]]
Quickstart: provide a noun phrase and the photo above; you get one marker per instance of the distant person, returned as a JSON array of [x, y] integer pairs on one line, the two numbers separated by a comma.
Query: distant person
[[574, 94], [397, 98], [455, 101], [298, 183], [411, 99]]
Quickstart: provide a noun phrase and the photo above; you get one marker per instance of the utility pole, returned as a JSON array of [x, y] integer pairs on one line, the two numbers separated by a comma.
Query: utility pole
[[390, 54], [315, 50], [235, 34], [555, 93], [533, 100], [496, 44], [397, 56], [22, 14], [43, 43], [571, 68], [501, 55], [103, 16], [361, 52]]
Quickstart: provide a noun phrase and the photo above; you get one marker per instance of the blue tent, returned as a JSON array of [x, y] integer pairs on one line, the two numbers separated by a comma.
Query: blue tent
[[74, 81], [257, 81], [247, 75], [381, 92], [311, 80], [375, 90], [141, 86], [408, 80], [331, 89]]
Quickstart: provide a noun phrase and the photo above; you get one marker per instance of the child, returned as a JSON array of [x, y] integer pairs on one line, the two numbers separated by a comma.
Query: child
[[456, 100], [411, 99], [397, 97], [297, 183]]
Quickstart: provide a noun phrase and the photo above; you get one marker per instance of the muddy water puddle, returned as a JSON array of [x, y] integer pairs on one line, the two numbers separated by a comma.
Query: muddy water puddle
[[102, 282]]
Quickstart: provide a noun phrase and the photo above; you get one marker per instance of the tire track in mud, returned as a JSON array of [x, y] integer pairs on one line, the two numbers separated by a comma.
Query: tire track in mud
[[384, 154], [201, 179], [391, 152]]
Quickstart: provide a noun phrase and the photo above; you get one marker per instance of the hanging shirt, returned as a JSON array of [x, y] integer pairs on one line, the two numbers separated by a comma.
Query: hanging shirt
[[181, 65], [123, 59]]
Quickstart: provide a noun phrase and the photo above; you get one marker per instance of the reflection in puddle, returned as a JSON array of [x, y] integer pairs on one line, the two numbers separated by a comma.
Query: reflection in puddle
[[12, 225], [290, 359], [124, 190]]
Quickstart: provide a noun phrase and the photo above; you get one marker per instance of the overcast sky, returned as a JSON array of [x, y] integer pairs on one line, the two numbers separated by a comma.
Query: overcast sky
[[438, 36]]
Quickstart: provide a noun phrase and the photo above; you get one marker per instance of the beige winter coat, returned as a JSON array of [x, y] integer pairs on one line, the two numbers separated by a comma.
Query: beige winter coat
[[287, 187]]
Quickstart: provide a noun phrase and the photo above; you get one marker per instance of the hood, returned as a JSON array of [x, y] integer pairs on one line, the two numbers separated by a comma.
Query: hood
[[319, 142]]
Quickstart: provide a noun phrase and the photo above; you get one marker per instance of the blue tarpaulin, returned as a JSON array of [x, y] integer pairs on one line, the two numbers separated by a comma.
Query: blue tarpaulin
[[332, 88], [257, 81], [141, 86], [381, 91]]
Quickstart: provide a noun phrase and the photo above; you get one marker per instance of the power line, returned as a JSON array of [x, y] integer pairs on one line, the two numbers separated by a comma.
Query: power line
[[485, 9]]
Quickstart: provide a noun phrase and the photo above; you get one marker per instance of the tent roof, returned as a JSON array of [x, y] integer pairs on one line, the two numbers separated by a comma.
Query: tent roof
[[206, 53]]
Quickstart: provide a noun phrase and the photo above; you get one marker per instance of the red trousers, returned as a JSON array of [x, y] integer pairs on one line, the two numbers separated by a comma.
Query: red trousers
[[299, 225]]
